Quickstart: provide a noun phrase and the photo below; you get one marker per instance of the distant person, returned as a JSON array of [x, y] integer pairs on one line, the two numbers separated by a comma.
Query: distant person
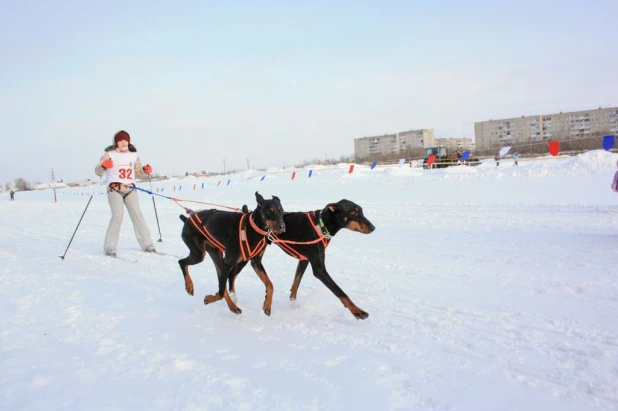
[[515, 159], [120, 164], [12, 194], [615, 181], [497, 158]]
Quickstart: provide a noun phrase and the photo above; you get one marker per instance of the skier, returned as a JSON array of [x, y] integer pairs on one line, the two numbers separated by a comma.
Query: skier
[[120, 163]]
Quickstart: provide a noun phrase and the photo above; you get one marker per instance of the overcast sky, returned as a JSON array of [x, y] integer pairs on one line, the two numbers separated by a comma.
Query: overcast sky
[[278, 83]]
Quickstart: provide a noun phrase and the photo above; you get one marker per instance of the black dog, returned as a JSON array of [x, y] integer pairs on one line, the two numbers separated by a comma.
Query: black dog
[[240, 236], [306, 237]]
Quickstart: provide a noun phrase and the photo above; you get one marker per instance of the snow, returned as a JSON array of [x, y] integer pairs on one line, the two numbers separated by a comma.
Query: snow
[[487, 288]]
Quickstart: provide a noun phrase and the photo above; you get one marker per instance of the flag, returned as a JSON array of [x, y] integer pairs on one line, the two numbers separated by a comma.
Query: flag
[[263, 177], [293, 174], [431, 159], [373, 165], [608, 142], [351, 169], [504, 150], [554, 148], [465, 156], [310, 172]]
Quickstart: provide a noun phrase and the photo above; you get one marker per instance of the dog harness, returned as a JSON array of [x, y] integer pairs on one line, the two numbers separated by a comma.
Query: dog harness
[[318, 225], [123, 189], [246, 250]]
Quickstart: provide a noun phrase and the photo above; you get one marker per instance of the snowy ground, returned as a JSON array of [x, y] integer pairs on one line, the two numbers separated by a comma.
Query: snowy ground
[[488, 288]]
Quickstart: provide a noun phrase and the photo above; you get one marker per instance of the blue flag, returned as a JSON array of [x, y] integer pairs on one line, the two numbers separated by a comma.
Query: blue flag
[[263, 177], [608, 142], [310, 172], [373, 165], [228, 182], [465, 156]]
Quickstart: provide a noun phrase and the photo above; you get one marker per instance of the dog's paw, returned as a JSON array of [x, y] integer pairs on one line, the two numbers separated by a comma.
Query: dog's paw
[[209, 299], [266, 310], [361, 315], [189, 286], [236, 310]]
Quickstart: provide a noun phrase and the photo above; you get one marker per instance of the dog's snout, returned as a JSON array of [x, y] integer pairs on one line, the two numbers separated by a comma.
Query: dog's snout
[[371, 228], [281, 228]]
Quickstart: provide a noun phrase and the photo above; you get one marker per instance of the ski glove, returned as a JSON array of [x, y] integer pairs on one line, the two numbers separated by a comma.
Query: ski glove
[[148, 169], [107, 164]]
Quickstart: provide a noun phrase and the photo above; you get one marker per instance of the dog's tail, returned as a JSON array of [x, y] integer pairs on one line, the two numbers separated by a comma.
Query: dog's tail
[[183, 218]]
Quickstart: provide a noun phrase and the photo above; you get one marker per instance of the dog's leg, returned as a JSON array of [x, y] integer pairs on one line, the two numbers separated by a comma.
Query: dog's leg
[[256, 263], [223, 270], [300, 270], [224, 274], [319, 270], [232, 280], [196, 256]]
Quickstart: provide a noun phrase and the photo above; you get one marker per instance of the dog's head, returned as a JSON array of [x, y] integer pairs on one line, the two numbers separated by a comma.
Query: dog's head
[[347, 214], [269, 214]]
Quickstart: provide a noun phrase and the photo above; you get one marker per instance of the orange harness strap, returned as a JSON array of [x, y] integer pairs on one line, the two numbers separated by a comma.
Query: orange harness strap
[[284, 244], [245, 247], [205, 232]]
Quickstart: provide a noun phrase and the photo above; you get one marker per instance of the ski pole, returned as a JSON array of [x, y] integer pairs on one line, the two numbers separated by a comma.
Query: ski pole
[[155, 208], [80, 219]]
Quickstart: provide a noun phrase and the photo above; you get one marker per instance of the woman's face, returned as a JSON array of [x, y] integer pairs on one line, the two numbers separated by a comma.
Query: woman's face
[[122, 145]]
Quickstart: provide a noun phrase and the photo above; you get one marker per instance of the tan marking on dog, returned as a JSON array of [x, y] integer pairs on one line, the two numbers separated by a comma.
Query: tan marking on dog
[[294, 288], [231, 304], [268, 301], [188, 281], [209, 299], [356, 226], [356, 312]]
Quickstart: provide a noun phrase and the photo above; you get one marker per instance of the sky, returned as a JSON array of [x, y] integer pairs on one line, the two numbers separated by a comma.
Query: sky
[[487, 288], [216, 86]]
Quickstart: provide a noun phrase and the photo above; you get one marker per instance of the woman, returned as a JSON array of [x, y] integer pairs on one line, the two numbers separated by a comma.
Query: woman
[[121, 165]]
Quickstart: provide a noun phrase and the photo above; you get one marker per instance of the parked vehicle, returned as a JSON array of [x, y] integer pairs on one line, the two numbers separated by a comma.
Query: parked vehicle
[[444, 159]]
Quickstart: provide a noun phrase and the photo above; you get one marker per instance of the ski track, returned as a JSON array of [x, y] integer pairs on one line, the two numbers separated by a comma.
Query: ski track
[[472, 306]]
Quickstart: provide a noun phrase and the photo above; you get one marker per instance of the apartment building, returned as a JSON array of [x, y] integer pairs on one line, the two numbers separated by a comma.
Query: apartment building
[[544, 127], [400, 143]]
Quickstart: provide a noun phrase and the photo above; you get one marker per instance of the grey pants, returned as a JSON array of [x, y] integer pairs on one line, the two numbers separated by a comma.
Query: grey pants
[[117, 203]]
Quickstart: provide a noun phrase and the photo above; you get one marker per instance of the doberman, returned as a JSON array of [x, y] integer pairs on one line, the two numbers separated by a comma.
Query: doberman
[[238, 236], [306, 237]]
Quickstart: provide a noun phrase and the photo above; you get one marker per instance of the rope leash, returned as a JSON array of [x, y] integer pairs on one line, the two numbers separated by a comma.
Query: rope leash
[[178, 201]]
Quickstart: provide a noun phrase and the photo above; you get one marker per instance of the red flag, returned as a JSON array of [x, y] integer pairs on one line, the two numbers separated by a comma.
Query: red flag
[[554, 148], [431, 159], [293, 174], [218, 183], [351, 169]]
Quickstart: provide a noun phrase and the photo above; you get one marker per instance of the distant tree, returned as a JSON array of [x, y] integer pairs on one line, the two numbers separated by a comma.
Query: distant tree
[[22, 185]]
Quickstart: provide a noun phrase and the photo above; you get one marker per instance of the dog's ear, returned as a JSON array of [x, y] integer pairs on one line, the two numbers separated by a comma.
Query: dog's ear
[[277, 198], [332, 207], [259, 198]]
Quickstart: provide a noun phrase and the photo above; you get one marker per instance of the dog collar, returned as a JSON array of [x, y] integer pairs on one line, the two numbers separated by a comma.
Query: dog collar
[[325, 232]]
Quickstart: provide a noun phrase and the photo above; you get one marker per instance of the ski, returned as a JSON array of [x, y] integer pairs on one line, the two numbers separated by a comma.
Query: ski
[[166, 254], [122, 258]]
